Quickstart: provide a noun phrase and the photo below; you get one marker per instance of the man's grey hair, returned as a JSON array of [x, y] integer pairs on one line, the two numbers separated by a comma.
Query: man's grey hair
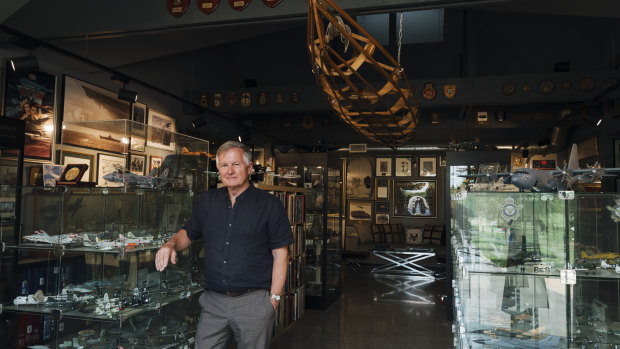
[[247, 153]]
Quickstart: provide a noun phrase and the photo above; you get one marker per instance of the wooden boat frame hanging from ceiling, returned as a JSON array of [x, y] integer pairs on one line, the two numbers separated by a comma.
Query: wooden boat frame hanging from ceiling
[[364, 85]]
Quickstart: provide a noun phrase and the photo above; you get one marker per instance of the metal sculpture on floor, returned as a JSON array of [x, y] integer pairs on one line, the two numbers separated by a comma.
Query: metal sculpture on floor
[[364, 85]]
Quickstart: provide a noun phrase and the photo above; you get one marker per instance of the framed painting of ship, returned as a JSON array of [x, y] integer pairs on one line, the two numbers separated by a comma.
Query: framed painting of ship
[[83, 106]]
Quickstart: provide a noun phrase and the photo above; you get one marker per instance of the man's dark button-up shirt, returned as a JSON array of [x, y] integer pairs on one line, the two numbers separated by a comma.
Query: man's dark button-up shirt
[[238, 239]]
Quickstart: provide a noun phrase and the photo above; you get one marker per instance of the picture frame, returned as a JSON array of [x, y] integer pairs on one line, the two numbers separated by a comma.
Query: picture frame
[[382, 188], [359, 210], [403, 168], [155, 162], [30, 96], [137, 164], [383, 167], [382, 207], [69, 157], [137, 141], [415, 199], [108, 164], [428, 166], [83, 101], [161, 131], [382, 218], [359, 178]]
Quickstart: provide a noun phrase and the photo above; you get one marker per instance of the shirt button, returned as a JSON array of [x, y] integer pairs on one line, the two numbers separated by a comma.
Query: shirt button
[[224, 262], [230, 224], [226, 242]]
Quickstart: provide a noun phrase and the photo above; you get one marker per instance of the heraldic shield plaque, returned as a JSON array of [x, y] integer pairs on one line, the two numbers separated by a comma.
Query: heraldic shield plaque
[[208, 6]]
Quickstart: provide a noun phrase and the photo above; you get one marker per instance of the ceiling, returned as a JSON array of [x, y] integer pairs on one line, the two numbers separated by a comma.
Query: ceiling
[[140, 39]]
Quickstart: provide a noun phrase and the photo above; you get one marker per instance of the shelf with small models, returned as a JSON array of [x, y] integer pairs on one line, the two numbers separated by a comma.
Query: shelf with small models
[[104, 308], [268, 187]]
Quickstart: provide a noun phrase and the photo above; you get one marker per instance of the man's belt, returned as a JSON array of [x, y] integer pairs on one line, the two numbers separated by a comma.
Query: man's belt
[[235, 293]]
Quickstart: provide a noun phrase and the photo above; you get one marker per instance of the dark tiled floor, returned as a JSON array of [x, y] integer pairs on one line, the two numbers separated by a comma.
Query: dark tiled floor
[[375, 313]]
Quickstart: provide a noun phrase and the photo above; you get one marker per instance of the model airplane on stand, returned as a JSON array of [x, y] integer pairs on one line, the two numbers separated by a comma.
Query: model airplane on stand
[[550, 180], [131, 179]]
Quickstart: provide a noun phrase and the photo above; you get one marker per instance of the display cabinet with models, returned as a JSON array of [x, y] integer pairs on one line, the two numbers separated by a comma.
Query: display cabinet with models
[[536, 270], [80, 273], [321, 175]]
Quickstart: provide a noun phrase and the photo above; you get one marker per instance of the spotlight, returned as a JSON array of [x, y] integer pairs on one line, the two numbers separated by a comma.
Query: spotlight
[[24, 64], [127, 95], [199, 122]]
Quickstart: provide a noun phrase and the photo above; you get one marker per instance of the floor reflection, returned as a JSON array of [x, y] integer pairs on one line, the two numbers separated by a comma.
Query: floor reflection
[[376, 312]]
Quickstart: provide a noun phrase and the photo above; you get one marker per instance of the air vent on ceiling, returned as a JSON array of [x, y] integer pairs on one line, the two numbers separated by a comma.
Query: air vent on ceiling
[[357, 148]]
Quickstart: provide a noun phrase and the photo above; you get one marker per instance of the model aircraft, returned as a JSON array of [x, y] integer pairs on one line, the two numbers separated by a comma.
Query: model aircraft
[[550, 180], [122, 241], [148, 181], [42, 236], [548, 342]]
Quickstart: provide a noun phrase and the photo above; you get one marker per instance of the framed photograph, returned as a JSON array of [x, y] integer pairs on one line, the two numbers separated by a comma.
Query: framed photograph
[[69, 157], [359, 179], [415, 199], [360, 210], [382, 188], [155, 162], [382, 207], [138, 136], [383, 167], [428, 166], [72, 174], [108, 164], [382, 218], [8, 175], [30, 96], [161, 130], [403, 167], [85, 102], [137, 164]]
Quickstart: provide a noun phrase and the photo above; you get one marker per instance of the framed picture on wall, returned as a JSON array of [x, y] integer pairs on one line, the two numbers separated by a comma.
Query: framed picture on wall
[[382, 188], [138, 138], [360, 210], [415, 199], [69, 157], [382, 218], [383, 167], [382, 207], [161, 131], [403, 167], [155, 162], [359, 178], [30, 96], [137, 164], [428, 166], [86, 102], [108, 164]]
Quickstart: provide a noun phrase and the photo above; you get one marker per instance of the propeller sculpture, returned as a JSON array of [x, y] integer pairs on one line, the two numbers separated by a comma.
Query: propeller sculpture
[[362, 82]]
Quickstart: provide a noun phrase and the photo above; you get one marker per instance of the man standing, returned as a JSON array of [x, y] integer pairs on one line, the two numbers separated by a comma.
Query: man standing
[[245, 232]]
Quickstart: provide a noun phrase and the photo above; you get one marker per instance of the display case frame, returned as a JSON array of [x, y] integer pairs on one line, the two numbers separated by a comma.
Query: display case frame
[[322, 180]]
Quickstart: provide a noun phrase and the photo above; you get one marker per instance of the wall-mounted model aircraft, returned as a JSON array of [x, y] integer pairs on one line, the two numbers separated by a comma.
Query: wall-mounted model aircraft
[[148, 181], [551, 180]]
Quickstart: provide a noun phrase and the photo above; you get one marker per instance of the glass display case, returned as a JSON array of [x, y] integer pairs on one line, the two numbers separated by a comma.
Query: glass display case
[[11, 167], [536, 270], [321, 176], [80, 272]]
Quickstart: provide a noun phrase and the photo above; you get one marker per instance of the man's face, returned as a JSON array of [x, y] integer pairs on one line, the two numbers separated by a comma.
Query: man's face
[[233, 169]]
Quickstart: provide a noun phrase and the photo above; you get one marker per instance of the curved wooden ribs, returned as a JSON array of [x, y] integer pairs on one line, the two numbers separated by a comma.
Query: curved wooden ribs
[[373, 97]]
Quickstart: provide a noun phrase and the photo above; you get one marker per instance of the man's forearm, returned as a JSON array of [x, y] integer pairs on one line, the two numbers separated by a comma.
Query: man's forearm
[[278, 275], [179, 241]]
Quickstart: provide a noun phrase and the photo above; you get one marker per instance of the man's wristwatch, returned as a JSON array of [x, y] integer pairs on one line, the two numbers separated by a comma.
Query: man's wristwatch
[[275, 296]]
